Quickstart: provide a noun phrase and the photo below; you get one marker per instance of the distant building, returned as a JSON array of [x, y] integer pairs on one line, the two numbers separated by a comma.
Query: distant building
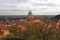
[[30, 15]]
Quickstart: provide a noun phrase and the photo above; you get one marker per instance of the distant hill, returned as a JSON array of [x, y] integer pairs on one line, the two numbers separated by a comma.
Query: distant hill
[[57, 17]]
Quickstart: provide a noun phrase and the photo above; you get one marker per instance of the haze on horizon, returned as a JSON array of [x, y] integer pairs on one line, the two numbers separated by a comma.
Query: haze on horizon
[[22, 7]]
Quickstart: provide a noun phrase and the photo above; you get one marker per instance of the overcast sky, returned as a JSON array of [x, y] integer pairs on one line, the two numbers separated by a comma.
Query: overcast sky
[[21, 7]]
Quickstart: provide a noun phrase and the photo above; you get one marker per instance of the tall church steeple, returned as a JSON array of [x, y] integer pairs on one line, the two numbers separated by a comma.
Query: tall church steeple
[[30, 15]]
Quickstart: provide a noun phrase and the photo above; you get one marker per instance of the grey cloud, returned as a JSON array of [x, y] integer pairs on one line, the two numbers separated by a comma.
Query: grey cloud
[[13, 1], [46, 4], [42, 4], [10, 4]]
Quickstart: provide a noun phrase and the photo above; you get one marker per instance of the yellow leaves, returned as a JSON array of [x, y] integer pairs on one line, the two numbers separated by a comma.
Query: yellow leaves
[[6, 33]]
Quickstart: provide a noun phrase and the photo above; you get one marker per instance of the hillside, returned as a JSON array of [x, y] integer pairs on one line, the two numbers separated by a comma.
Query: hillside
[[57, 17]]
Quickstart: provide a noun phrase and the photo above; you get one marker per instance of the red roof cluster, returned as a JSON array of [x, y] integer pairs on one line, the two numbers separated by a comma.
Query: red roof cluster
[[32, 20]]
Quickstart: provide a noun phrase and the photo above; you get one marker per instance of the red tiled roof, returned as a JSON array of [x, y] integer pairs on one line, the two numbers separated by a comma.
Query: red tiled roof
[[36, 19], [26, 21], [23, 21]]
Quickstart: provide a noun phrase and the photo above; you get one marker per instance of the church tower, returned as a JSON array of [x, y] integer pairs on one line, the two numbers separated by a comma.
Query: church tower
[[30, 15]]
